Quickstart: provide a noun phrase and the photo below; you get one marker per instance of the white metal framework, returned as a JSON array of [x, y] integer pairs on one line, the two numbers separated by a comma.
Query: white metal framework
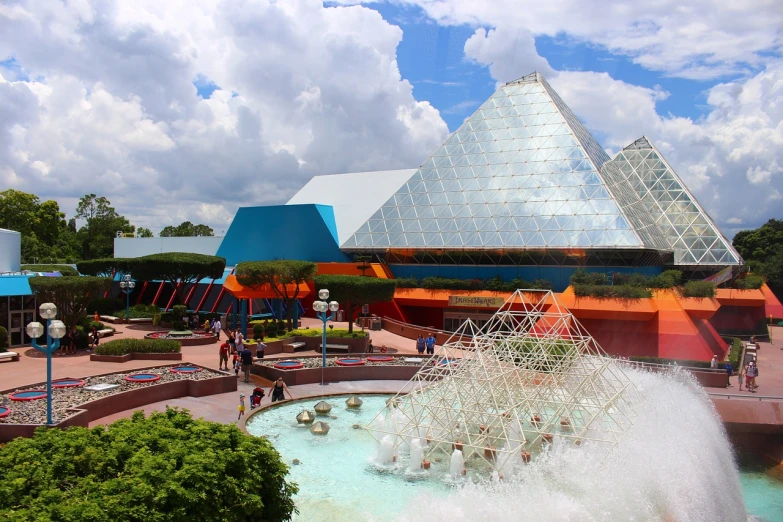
[[530, 375]]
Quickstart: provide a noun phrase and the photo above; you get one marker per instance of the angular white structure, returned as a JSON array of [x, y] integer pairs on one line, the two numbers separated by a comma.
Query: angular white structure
[[530, 375]]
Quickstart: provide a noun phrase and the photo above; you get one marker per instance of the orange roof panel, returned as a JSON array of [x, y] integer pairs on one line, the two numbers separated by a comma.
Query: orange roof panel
[[265, 292]]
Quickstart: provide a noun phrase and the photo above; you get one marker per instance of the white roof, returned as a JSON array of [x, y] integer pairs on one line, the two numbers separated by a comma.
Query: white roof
[[355, 197]]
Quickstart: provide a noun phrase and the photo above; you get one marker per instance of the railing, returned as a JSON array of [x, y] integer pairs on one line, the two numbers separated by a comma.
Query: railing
[[736, 396], [642, 364]]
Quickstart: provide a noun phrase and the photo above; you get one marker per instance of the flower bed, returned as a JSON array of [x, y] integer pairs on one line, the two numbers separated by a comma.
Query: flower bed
[[191, 339], [67, 400]]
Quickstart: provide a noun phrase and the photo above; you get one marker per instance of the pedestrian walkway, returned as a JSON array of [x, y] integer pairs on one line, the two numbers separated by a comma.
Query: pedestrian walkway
[[770, 364]]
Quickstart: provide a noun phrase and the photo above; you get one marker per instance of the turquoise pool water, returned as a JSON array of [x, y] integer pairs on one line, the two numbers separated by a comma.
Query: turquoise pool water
[[339, 481]]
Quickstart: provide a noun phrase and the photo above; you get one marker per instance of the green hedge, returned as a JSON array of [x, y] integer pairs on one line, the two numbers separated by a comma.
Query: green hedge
[[699, 289], [749, 282], [616, 291], [495, 284], [4, 341], [317, 332], [138, 311], [125, 346], [65, 270]]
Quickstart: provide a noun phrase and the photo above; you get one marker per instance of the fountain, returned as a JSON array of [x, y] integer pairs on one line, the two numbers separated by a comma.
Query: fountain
[[457, 468], [416, 456], [539, 421]]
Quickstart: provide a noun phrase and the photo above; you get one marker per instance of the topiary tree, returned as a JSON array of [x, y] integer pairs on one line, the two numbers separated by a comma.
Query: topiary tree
[[105, 267], [282, 277], [354, 291], [167, 467], [4, 341], [176, 268], [70, 294]]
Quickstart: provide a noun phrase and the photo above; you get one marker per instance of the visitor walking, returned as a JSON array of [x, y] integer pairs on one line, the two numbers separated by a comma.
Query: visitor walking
[[750, 378], [216, 327], [420, 345], [714, 362], [240, 341], [232, 341], [96, 317], [741, 377], [241, 406], [729, 369], [247, 363], [224, 348], [430, 343], [277, 390], [235, 363], [370, 347], [260, 350]]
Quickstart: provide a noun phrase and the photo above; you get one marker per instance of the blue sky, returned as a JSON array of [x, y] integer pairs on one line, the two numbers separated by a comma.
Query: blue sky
[[432, 58]]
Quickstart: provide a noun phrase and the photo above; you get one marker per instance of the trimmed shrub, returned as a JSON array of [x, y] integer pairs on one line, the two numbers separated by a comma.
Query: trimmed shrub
[[178, 317], [138, 311], [749, 282], [65, 270], [699, 289], [271, 329], [126, 346], [336, 332], [164, 467], [82, 341], [495, 284], [5, 342], [616, 291], [407, 282], [258, 332]]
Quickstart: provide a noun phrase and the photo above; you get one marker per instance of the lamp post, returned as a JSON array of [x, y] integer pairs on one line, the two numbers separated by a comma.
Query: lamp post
[[127, 286], [322, 308], [55, 330]]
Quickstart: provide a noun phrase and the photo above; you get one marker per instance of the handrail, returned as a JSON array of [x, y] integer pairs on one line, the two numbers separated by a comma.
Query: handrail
[[746, 397], [670, 366]]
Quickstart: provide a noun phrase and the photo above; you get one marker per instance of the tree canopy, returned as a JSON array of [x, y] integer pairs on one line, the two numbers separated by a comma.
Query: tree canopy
[[70, 294], [168, 467], [354, 291], [186, 229], [176, 268], [103, 223], [762, 248], [277, 274], [105, 267]]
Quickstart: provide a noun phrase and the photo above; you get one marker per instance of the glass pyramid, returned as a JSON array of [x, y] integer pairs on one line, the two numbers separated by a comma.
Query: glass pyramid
[[522, 172], [689, 230]]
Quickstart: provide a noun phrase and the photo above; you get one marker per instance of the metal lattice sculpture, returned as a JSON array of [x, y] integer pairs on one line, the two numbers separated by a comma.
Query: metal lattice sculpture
[[530, 374]]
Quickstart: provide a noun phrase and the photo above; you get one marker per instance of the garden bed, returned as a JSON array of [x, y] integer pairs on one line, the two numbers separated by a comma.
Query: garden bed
[[136, 356], [78, 406], [311, 370]]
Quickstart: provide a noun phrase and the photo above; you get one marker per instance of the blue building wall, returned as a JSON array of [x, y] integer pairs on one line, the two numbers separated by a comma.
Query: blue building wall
[[300, 232], [557, 275]]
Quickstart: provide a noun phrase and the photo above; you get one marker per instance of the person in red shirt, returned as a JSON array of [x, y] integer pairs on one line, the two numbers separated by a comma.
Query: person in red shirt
[[224, 356]]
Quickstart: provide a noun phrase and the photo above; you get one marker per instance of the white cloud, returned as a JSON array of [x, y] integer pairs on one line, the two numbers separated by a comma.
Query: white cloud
[[697, 39], [110, 106]]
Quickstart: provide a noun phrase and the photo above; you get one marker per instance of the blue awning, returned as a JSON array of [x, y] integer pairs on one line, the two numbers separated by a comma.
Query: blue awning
[[15, 285]]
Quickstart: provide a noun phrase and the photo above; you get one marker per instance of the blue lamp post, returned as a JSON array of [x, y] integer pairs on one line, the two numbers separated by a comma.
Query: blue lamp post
[[55, 330], [127, 286], [322, 309]]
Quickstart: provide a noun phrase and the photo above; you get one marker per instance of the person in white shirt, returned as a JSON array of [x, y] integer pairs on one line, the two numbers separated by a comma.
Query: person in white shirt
[[714, 362], [216, 327]]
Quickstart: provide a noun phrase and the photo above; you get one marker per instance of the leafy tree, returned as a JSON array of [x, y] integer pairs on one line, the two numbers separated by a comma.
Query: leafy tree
[[65, 270], [186, 229], [282, 276], [144, 232], [354, 291], [70, 294], [179, 269], [761, 243], [102, 224], [5, 342], [168, 467], [45, 235]]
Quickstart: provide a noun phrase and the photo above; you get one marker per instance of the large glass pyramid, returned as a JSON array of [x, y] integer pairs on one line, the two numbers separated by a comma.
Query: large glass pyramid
[[522, 172], [689, 230]]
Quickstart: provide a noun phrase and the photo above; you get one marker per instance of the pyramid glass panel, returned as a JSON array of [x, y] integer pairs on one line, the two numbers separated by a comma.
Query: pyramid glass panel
[[672, 207], [524, 132]]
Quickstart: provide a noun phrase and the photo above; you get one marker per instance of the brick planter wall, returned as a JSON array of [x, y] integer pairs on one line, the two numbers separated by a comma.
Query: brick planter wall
[[138, 356], [411, 331], [85, 413]]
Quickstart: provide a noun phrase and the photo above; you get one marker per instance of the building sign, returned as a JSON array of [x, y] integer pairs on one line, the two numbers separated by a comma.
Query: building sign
[[476, 302]]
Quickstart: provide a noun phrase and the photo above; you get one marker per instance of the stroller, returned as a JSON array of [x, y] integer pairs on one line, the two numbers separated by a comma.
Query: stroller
[[255, 398]]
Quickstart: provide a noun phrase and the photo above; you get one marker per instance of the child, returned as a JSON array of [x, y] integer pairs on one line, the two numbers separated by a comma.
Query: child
[[255, 399], [241, 406], [235, 362], [741, 377]]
